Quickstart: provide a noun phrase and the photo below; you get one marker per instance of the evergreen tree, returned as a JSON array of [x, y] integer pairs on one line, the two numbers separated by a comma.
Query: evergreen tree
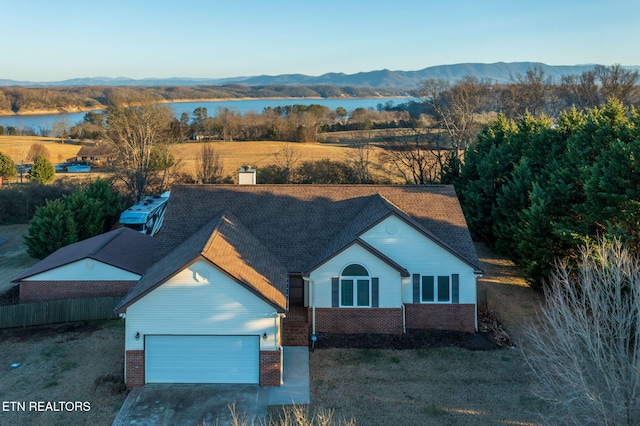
[[111, 202], [7, 167], [87, 214], [50, 229], [42, 170]]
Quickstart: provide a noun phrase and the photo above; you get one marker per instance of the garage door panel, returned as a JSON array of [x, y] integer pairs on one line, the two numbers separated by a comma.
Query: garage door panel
[[202, 359]]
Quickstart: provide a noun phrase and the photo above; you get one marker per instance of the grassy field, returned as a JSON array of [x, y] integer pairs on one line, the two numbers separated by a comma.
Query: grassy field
[[234, 155]]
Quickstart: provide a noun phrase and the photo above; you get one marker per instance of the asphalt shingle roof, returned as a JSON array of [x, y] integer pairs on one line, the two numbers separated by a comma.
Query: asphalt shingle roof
[[298, 222], [122, 248], [227, 244], [259, 233]]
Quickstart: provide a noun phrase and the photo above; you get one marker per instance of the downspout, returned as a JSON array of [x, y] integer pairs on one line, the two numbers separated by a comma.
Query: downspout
[[404, 319], [477, 275], [279, 346], [312, 287]]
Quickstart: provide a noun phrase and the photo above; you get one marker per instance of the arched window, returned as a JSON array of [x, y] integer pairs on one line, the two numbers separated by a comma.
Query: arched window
[[355, 286]]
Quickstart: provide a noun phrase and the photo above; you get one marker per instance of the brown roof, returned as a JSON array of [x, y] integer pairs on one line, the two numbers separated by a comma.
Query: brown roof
[[298, 223], [257, 234], [100, 150], [225, 243], [122, 248]]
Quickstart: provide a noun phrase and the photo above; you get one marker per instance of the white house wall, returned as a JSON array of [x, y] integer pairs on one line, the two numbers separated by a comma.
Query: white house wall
[[85, 270], [389, 278], [419, 255], [201, 300]]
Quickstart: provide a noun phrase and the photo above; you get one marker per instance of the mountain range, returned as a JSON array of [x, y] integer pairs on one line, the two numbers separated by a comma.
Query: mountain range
[[500, 72]]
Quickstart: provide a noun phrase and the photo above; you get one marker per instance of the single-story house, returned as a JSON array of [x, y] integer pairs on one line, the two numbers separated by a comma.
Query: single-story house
[[242, 270], [98, 154], [109, 264]]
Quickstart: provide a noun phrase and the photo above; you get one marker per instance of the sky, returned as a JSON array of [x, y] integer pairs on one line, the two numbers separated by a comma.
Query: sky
[[46, 40]]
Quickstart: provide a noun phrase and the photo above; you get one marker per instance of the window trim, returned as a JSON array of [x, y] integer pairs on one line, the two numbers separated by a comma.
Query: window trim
[[354, 282], [435, 282]]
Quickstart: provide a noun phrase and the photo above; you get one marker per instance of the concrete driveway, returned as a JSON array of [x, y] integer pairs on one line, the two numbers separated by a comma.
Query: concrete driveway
[[177, 404]]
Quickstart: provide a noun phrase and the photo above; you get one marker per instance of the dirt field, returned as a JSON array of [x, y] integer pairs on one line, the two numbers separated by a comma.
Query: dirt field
[[433, 385]]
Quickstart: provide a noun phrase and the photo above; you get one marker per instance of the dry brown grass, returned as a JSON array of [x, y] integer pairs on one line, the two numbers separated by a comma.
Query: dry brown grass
[[17, 147], [234, 155], [427, 386], [82, 363], [505, 292]]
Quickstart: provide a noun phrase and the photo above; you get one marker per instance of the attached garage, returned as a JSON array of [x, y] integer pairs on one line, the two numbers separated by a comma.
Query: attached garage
[[202, 359]]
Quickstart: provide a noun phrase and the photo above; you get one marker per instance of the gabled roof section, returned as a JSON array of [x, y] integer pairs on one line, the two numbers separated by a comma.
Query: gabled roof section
[[122, 248], [374, 211], [403, 272], [228, 245], [298, 223]]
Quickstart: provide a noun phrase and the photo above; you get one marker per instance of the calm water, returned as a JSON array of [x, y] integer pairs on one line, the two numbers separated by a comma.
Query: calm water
[[38, 122]]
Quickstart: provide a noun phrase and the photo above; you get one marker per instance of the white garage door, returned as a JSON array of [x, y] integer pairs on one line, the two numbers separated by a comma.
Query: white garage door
[[202, 359]]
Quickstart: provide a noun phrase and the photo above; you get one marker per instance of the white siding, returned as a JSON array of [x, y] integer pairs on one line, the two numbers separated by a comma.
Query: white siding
[[85, 270], [389, 284], [201, 300], [419, 255]]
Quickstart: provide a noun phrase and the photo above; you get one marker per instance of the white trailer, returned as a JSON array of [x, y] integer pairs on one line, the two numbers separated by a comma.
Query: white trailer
[[146, 216]]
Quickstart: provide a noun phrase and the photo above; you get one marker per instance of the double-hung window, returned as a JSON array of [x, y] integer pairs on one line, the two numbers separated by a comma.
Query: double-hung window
[[355, 286], [436, 289]]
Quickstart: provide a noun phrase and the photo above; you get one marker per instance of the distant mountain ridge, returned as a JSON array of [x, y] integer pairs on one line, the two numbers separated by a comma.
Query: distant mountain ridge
[[500, 72]]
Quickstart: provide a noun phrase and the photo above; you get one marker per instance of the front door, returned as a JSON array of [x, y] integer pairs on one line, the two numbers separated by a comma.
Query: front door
[[296, 291]]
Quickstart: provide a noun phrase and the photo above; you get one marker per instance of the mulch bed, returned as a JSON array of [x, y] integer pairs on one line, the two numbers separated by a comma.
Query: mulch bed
[[412, 339]]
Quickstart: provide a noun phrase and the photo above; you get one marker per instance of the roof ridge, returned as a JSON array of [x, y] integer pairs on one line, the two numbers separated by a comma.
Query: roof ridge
[[112, 236]]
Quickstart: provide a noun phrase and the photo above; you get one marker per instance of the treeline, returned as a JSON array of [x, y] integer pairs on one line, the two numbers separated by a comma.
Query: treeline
[[536, 189], [64, 99]]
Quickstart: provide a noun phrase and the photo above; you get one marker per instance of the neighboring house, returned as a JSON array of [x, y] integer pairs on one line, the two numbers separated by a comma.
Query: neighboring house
[[241, 271], [106, 265], [98, 154]]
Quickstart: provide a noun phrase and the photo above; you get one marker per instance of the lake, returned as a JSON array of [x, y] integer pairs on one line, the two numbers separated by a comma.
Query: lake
[[38, 122]]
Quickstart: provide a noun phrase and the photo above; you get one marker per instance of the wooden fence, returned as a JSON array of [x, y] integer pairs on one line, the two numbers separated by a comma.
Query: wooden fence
[[57, 311]]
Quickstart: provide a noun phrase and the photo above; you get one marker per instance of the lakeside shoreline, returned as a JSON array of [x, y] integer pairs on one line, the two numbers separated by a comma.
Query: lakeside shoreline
[[34, 113]]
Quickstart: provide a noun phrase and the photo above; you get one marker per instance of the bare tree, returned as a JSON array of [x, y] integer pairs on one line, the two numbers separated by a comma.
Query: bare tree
[[137, 130], [359, 159], [209, 165], [585, 350], [533, 91], [456, 108], [617, 82], [415, 155], [580, 91], [287, 160], [38, 149]]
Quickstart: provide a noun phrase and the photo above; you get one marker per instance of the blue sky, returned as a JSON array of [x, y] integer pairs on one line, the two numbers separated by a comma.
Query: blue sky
[[45, 40]]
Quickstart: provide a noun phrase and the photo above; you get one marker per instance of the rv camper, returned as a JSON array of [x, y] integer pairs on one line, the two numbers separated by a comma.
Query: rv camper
[[147, 215]]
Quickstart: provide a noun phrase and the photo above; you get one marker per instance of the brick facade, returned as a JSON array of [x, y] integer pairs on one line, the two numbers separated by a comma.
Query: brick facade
[[459, 317], [134, 361], [270, 368], [354, 320], [295, 332], [40, 291]]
